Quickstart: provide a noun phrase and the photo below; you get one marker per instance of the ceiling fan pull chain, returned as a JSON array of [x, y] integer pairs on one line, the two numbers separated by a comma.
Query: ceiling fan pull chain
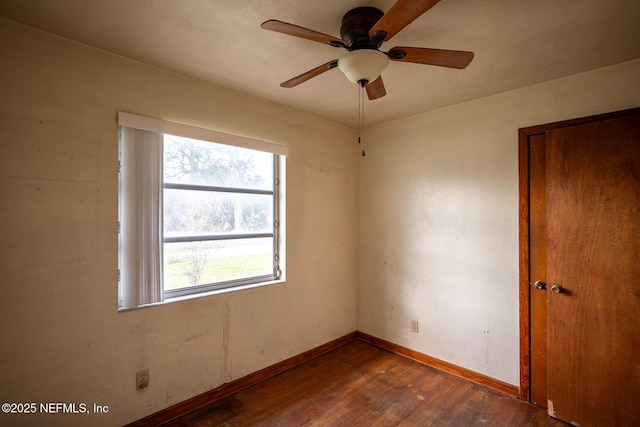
[[361, 117], [359, 113]]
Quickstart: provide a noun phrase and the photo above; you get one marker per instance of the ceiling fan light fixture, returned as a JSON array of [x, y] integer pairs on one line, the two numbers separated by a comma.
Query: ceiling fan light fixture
[[363, 65]]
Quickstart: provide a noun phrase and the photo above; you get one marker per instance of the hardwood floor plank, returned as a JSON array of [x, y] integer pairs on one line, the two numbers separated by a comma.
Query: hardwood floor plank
[[358, 384]]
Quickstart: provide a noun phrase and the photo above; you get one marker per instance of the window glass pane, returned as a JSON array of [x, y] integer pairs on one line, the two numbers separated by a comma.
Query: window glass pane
[[192, 212], [199, 263], [190, 161]]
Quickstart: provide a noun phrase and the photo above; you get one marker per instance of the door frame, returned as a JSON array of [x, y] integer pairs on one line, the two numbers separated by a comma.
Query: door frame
[[524, 135]]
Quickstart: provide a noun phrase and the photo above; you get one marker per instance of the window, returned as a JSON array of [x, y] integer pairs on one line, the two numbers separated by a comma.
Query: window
[[199, 211]]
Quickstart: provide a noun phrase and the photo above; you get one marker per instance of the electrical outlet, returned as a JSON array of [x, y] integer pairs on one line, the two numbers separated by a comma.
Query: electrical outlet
[[142, 379], [414, 326]]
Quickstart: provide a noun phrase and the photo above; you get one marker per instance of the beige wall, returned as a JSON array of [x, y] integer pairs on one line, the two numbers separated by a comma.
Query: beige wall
[[438, 218], [62, 338]]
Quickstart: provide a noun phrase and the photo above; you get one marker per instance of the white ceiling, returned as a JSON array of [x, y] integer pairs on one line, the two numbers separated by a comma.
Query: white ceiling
[[517, 43]]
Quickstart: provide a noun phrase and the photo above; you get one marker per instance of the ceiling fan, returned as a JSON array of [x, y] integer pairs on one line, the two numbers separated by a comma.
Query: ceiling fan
[[362, 32]]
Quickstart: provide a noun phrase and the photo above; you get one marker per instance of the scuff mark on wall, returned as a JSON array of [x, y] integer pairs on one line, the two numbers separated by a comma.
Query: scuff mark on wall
[[225, 371], [486, 347]]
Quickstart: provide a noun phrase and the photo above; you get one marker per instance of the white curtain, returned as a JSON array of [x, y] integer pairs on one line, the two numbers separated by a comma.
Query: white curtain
[[141, 208]]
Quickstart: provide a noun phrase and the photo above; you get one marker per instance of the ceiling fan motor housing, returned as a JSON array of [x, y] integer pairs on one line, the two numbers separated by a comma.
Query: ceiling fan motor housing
[[356, 25]]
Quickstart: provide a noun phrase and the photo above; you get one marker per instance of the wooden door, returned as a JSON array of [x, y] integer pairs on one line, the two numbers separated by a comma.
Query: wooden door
[[585, 243]]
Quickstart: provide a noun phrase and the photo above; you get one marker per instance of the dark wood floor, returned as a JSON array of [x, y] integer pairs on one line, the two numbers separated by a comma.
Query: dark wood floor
[[361, 385]]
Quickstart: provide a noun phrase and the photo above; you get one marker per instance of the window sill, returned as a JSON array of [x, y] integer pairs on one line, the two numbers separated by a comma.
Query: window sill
[[205, 294]]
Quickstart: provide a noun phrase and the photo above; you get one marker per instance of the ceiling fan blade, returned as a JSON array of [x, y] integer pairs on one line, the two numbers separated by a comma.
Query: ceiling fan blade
[[295, 30], [401, 14], [439, 57], [376, 89], [310, 74]]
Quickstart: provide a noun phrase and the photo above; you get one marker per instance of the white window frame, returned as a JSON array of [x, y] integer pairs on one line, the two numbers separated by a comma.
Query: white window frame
[[141, 240]]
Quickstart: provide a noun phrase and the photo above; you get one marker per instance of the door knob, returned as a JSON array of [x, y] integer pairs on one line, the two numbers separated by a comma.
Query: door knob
[[540, 285], [557, 289]]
